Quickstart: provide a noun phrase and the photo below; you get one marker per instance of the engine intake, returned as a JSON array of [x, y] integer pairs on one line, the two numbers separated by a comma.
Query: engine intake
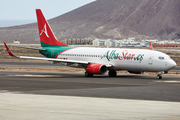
[[96, 69]]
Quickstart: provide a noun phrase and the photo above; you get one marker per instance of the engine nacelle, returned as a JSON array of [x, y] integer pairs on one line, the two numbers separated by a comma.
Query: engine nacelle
[[96, 69], [136, 72]]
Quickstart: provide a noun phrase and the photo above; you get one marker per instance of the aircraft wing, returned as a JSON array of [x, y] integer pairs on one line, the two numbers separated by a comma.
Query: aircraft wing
[[50, 59], [29, 48]]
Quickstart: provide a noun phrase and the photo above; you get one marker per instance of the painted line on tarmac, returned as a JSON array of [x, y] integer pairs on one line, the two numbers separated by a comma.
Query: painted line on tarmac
[[35, 75], [168, 81]]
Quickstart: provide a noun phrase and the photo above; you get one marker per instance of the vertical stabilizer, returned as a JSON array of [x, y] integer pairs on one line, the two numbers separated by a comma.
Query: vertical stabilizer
[[47, 36], [150, 46]]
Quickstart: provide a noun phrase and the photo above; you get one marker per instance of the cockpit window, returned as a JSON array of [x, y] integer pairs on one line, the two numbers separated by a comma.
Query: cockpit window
[[161, 58], [165, 58]]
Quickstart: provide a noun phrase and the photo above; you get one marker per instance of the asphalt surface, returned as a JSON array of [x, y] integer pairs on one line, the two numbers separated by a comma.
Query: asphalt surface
[[141, 87], [28, 63], [22, 64]]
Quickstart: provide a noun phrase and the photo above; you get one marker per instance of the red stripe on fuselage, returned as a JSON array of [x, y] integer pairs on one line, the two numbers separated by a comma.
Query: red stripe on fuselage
[[62, 52]]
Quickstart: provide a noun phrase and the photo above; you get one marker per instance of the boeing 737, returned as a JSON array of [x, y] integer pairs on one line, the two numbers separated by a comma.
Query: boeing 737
[[98, 60]]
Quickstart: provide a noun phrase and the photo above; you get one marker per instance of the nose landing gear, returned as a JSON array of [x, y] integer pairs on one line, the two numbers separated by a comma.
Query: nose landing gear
[[159, 76]]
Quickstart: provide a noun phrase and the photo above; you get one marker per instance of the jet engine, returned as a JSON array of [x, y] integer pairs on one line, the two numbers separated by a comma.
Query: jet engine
[[136, 72], [96, 69]]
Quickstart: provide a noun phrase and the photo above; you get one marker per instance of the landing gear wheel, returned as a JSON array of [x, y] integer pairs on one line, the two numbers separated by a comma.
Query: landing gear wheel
[[112, 73], [88, 75], [159, 77]]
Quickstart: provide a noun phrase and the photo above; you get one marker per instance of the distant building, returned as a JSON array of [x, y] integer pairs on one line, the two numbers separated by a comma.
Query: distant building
[[130, 42], [16, 42], [147, 41], [77, 41], [109, 43]]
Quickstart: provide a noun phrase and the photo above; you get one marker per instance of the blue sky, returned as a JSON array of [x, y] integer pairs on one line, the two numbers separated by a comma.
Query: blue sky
[[24, 10]]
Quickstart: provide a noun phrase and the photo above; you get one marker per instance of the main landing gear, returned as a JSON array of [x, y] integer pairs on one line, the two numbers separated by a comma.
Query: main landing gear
[[88, 75], [112, 73]]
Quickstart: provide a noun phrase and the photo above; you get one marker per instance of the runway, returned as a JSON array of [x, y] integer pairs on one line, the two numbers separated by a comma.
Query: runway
[[139, 87], [35, 64], [53, 95]]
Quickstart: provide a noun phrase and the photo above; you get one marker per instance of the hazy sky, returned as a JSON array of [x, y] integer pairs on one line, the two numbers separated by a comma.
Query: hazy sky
[[25, 9]]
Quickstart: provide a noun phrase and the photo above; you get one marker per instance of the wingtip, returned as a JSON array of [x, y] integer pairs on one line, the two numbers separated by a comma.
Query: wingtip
[[8, 50]]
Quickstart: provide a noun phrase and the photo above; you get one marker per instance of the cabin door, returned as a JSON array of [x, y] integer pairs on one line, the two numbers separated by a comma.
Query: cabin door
[[151, 59]]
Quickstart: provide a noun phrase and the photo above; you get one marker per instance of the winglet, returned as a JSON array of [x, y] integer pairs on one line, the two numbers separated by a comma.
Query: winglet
[[150, 46], [9, 52]]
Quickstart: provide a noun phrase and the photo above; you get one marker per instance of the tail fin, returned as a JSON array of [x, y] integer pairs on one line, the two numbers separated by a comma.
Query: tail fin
[[150, 46], [47, 36]]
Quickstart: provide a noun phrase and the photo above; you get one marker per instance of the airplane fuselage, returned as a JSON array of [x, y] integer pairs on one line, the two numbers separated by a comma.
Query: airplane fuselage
[[122, 59]]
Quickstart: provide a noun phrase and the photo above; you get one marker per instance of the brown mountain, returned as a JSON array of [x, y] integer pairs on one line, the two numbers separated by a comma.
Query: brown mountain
[[109, 19]]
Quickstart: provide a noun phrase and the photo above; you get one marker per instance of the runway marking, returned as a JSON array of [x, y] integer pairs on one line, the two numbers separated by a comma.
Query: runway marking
[[4, 91], [36, 75], [168, 81]]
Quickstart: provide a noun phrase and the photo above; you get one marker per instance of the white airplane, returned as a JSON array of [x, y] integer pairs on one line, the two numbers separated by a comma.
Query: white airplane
[[98, 60]]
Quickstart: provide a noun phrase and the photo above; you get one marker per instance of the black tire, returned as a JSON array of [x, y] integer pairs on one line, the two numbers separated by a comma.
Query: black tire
[[86, 74], [90, 75], [159, 77], [112, 73]]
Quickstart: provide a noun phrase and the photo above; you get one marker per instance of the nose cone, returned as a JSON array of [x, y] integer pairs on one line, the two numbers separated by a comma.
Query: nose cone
[[172, 64]]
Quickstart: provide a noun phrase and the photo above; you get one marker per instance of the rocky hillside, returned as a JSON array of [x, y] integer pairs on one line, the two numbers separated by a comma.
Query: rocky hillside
[[116, 19]]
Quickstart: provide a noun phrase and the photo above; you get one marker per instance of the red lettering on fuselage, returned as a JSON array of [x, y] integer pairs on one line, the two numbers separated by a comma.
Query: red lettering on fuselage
[[126, 56]]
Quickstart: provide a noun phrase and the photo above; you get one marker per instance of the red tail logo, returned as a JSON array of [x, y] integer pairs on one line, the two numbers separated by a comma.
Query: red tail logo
[[47, 36], [44, 30], [150, 46]]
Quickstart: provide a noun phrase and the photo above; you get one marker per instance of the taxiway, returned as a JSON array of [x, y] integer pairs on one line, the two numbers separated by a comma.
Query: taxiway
[[52, 95], [144, 87]]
